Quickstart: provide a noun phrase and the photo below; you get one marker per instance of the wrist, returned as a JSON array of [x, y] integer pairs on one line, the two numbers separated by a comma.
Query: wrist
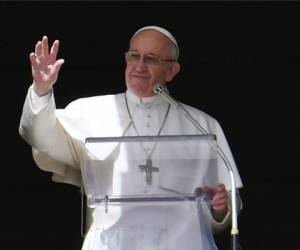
[[219, 215], [41, 91]]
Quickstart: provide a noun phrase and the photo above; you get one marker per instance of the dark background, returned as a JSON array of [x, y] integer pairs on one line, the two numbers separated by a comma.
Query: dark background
[[240, 63]]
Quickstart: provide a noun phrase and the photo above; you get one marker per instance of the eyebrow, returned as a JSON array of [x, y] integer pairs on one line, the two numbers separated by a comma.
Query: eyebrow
[[148, 54], [135, 50]]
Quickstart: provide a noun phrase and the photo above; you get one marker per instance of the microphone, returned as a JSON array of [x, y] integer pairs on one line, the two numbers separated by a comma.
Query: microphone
[[161, 89]]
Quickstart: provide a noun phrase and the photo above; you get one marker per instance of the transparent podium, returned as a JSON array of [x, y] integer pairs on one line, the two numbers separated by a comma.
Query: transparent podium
[[152, 188]]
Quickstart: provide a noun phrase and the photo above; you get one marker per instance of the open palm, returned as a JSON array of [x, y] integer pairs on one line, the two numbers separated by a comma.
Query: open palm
[[45, 66]]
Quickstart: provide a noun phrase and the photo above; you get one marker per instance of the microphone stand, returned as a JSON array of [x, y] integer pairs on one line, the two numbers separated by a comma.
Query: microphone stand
[[160, 89]]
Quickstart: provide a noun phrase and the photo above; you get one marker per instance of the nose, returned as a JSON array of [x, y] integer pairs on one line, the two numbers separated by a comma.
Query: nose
[[141, 65]]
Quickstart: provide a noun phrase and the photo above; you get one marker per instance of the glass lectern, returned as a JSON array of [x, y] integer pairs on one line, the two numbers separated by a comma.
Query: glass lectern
[[162, 175]]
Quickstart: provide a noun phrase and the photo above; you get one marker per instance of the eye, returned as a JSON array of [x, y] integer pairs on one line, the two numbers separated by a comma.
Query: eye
[[134, 56], [150, 59]]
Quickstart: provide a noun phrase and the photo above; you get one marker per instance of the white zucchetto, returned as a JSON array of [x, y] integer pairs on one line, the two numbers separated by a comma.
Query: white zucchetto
[[163, 31]]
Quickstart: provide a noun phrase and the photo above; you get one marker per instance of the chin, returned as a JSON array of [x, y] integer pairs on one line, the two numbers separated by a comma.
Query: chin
[[140, 90], [140, 93]]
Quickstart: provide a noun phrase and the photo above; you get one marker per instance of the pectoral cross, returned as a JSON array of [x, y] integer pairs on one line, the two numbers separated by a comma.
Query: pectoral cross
[[149, 169]]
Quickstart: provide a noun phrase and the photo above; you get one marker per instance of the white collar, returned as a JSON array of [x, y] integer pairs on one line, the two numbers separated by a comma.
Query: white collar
[[144, 101]]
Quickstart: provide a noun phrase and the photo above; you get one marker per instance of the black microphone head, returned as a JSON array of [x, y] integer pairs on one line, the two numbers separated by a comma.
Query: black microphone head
[[158, 88]]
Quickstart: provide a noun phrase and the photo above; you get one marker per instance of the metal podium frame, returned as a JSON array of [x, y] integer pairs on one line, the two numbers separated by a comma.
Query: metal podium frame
[[188, 197]]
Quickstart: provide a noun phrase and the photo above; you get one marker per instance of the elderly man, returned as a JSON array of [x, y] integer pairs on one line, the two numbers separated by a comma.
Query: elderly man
[[57, 135]]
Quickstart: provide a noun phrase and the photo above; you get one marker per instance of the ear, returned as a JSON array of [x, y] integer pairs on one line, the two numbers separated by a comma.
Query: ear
[[172, 71]]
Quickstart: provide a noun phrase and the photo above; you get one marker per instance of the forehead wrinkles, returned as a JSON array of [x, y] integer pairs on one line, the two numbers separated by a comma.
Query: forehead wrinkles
[[151, 42]]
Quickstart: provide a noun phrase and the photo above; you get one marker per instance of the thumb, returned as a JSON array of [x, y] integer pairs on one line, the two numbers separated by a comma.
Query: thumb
[[57, 65], [55, 69]]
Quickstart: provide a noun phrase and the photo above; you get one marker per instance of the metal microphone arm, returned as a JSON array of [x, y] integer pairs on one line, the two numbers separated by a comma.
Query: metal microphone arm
[[161, 90]]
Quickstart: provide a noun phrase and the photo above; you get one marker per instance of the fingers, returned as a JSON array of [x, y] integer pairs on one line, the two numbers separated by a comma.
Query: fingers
[[45, 67], [41, 58], [56, 67], [45, 46], [220, 188], [38, 49], [54, 50], [42, 49], [219, 199], [33, 61]]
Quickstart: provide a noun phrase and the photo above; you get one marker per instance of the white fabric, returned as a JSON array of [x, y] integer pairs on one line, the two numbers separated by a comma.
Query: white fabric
[[38, 102], [163, 31], [165, 228], [57, 138]]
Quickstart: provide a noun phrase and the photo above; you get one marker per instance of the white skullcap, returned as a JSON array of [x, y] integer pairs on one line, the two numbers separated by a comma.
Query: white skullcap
[[163, 31]]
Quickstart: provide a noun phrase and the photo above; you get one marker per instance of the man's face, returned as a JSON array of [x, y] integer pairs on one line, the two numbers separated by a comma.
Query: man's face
[[142, 73]]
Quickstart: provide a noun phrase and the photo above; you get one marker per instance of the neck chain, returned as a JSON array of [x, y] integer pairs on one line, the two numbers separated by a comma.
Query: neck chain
[[159, 131]]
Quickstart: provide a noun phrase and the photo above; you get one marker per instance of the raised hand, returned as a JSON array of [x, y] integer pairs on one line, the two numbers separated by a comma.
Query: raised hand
[[45, 66]]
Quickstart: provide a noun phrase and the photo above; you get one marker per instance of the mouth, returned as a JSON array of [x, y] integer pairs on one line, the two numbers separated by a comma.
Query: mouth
[[143, 77]]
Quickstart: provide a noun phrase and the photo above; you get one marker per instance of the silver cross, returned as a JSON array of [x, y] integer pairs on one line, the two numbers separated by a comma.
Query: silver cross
[[149, 169]]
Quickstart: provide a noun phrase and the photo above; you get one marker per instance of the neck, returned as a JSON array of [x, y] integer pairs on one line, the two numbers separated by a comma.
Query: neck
[[140, 99]]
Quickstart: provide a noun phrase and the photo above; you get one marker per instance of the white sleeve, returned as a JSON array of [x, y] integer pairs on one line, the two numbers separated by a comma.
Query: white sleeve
[[38, 102], [44, 132], [53, 149]]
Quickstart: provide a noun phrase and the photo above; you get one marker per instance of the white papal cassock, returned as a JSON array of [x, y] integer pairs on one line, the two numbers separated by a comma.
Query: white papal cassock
[[57, 138]]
